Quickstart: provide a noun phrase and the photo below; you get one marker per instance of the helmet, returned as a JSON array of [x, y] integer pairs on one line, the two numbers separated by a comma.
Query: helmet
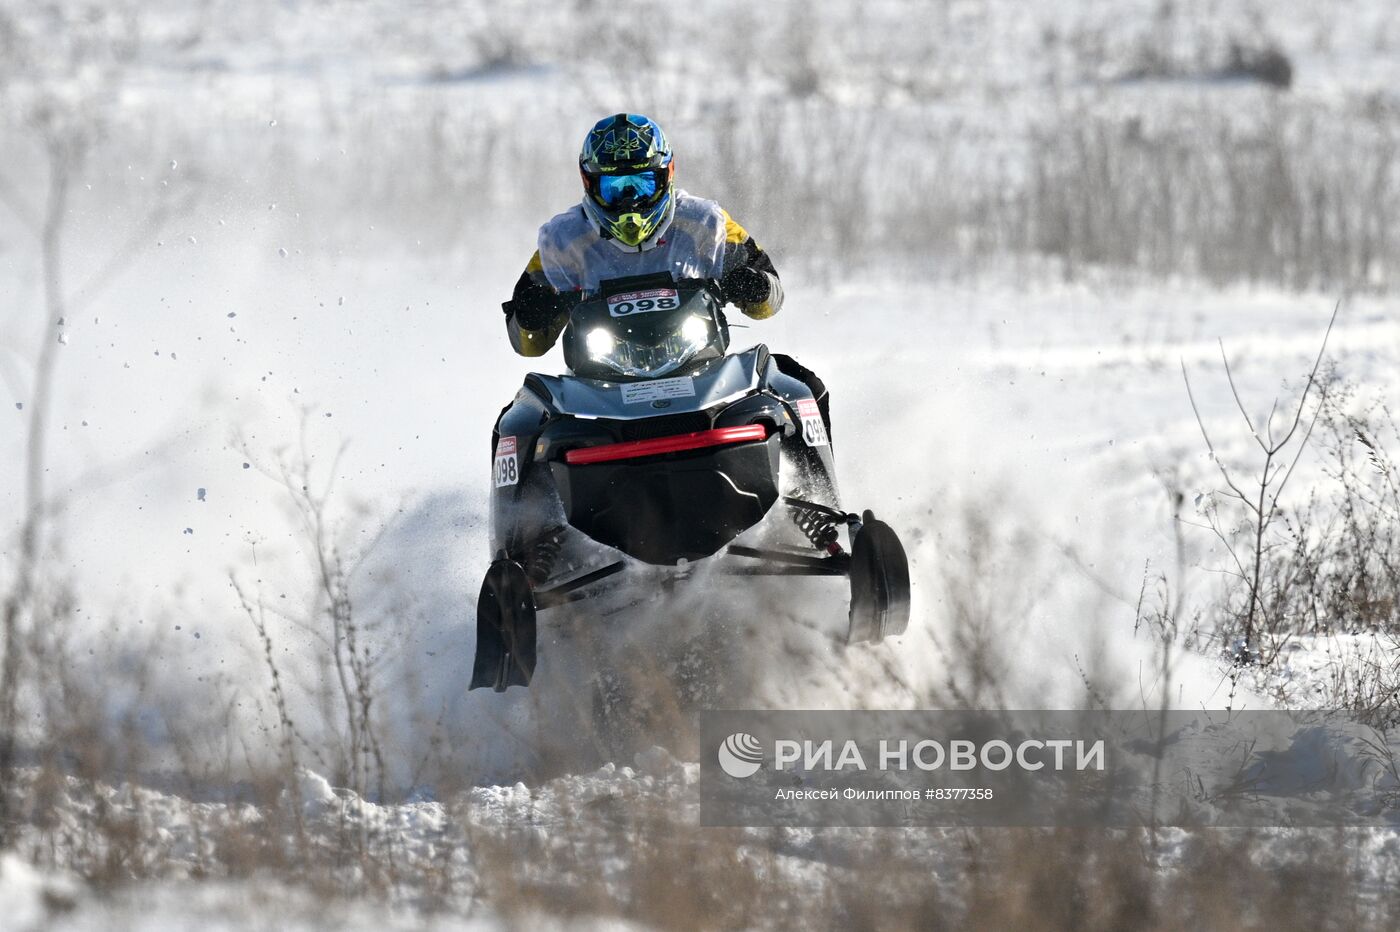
[[628, 180]]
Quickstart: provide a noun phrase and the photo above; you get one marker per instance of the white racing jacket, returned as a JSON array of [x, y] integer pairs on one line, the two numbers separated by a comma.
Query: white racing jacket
[[574, 257], [702, 241]]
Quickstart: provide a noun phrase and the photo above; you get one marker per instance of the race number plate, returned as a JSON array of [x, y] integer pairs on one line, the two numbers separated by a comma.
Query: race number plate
[[643, 302], [507, 468], [658, 390], [813, 428]]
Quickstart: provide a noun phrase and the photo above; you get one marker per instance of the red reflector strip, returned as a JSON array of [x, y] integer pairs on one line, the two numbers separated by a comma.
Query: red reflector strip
[[679, 443]]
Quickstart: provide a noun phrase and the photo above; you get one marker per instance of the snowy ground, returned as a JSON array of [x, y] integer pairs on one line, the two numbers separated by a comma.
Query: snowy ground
[[329, 300], [1051, 410], [1054, 410]]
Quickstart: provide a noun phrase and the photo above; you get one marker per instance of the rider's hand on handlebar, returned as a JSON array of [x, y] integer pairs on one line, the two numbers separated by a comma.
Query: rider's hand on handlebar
[[536, 312], [744, 285]]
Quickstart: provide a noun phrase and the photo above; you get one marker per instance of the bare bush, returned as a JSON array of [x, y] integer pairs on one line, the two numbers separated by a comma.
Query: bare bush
[[1359, 588], [1325, 564], [1271, 582], [348, 689], [67, 82]]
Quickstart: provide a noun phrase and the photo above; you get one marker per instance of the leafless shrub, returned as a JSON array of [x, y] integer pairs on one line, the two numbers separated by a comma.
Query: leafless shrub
[[359, 761], [290, 796], [1359, 587], [1328, 564], [86, 743], [1363, 676], [70, 80], [1270, 583]]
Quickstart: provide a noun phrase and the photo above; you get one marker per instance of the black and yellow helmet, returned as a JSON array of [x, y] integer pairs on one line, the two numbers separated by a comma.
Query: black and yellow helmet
[[628, 180]]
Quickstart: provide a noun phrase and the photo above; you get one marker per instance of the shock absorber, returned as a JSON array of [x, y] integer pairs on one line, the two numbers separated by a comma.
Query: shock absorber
[[541, 555], [818, 526]]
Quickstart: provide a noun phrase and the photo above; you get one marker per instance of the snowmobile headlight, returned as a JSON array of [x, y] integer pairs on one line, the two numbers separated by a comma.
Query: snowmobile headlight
[[600, 343], [696, 331], [645, 358]]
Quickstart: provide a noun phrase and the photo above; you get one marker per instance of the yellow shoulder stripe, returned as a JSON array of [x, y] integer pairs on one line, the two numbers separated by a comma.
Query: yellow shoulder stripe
[[733, 233], [535, 264]]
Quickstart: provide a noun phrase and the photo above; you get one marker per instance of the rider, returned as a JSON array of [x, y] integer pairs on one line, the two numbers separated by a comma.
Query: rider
[[633, 220]]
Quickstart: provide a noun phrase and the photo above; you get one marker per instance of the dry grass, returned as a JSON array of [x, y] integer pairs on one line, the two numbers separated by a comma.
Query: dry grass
[[638, 856], [672, 877]]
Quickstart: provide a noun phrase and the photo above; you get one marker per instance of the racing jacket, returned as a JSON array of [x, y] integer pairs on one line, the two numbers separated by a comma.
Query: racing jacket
[[702, 241]]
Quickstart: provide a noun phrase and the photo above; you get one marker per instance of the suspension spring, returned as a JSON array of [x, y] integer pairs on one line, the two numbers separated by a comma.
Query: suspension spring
[[819, 528], [540, 558]]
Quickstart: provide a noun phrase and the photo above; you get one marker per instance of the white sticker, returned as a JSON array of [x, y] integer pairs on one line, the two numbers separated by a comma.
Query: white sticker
[[643, 302], [813, 427], [507, 468], [658, 390]]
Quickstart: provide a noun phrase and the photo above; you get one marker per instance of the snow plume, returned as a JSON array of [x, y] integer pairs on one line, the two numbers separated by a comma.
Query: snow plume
[[1007, 614]]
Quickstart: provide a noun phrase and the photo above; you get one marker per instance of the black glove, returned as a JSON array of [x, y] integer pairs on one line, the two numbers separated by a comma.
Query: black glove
[[534, 309], [745, 285]]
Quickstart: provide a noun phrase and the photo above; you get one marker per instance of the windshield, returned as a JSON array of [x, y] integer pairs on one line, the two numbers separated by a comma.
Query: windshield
[[644, 330]]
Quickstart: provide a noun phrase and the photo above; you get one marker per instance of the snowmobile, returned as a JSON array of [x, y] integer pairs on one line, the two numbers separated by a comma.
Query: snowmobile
[[663, 447]]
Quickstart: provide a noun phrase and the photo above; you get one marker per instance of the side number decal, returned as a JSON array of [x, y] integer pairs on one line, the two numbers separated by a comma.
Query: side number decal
[[506, 470], [813, 428]]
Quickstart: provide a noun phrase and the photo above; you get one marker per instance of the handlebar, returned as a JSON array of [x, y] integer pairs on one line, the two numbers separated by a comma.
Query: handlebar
[[568, 300]]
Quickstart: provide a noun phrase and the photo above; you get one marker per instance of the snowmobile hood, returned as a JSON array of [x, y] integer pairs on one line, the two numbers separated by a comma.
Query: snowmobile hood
[[716, 383]]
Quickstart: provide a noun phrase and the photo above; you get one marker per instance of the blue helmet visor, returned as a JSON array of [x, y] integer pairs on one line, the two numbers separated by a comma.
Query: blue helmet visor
[[620, 190]]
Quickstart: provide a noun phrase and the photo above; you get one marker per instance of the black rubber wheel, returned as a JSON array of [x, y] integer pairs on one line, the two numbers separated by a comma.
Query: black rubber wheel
[[879, 583], [505, 629]]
